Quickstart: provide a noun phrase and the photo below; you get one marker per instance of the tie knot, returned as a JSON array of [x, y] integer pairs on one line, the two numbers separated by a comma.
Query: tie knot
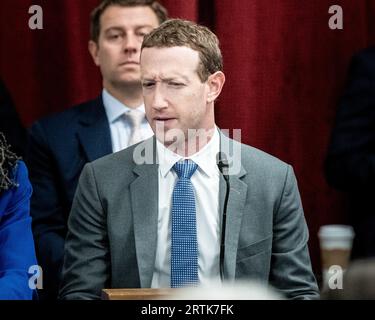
[[185, 169], [136, 117]]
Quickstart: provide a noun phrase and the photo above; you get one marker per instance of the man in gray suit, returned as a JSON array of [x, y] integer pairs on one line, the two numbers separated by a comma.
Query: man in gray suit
[[151, 215]]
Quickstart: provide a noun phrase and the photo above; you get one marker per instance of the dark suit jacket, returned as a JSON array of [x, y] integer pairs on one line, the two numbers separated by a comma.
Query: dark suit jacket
[[60, 145], [350, 163], [113, 226]]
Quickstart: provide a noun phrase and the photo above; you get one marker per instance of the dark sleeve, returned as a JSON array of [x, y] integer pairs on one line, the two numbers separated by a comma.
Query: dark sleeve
[[86, 269], [17, 253], [350, 162], [291, 271], [49, 222]]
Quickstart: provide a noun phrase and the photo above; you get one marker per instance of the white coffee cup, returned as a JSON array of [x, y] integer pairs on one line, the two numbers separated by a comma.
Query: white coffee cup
[[335, 247]]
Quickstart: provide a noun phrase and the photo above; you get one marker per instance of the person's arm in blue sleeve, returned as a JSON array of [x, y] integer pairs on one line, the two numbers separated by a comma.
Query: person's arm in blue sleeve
[[17, 252]]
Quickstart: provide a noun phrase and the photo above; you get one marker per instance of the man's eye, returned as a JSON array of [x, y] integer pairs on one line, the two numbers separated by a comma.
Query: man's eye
[[142, 32], [147, 84], [114, 36], [176, 84]]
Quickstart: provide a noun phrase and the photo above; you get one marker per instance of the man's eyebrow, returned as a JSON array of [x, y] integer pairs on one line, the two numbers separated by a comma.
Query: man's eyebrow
[[166, 79], [175, 78], [114, 28], [148, 79], [119, 28], [144, 26]]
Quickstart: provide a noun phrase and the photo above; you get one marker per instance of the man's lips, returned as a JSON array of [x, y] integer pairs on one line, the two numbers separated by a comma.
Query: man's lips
[[163, 118], [129, 63]]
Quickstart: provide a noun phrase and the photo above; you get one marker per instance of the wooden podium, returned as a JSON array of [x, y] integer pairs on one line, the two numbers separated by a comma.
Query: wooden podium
[[137, 294]]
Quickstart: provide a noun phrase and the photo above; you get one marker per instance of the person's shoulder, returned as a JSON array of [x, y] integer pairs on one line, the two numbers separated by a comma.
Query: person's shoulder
[[364, 58], [368, 53], [119, 167], [128, 157], [20, 190], [21, 176], [18, 173], [254, 157], [20, 169], [261, 156], [65, 118], [263, 164], [256, 164]]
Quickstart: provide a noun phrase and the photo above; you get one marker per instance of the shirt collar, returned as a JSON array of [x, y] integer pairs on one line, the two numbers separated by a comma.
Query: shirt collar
[[114, 108], [204, 158]]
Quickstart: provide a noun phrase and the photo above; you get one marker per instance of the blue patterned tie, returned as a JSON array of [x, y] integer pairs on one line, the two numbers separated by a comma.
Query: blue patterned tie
[[184, 249]]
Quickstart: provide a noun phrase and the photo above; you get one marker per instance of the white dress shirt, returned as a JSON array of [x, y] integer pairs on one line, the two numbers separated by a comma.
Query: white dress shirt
[[206, 186], [119, 124]]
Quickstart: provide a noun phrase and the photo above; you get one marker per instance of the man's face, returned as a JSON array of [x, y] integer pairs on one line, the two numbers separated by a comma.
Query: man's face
[[121, 34], [174, 95]]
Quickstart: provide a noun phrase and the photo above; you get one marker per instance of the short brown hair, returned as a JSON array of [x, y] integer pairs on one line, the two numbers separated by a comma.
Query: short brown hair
[[159, 10], [180, 33]]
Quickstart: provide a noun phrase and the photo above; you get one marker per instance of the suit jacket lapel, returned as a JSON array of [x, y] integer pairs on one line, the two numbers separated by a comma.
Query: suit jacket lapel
[[144, 201], [235, 209], [93, 131]]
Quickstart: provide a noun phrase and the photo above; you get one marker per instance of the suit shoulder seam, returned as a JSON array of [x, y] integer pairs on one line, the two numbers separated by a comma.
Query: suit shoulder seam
[[96, 185], [284, 187]]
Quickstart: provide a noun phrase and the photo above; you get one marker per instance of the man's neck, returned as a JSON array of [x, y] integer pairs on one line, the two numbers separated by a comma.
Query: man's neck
[[193, 144], [129, 95]]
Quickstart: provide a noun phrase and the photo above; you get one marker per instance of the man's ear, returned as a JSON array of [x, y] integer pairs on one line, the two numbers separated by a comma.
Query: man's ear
[[215, 83], [94, 51]]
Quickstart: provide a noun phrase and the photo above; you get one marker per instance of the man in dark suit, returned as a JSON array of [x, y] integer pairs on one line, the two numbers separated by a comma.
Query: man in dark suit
[[151, 215], [350, 162], [61, 144]]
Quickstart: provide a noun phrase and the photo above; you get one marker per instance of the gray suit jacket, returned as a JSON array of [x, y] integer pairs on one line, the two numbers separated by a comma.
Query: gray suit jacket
[[111, 242]]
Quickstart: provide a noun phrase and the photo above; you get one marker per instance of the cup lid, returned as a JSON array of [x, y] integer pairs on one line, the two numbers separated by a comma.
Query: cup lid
[[336, 231]]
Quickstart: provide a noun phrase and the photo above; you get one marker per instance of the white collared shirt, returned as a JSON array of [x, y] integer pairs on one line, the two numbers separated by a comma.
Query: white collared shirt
[[119, 124], [205, 181]]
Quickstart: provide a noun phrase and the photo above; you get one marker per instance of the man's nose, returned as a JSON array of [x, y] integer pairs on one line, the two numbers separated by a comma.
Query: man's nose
[[131, 44], [159, 102]]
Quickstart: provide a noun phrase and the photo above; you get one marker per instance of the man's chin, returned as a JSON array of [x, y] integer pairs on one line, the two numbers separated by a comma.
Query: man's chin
[[170, 137], [129, 82]]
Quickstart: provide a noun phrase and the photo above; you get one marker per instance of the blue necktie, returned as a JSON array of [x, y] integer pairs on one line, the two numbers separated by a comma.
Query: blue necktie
[[184, 248]]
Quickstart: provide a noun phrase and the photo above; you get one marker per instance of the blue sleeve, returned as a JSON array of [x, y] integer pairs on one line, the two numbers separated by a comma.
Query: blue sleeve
[[17, 252]]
